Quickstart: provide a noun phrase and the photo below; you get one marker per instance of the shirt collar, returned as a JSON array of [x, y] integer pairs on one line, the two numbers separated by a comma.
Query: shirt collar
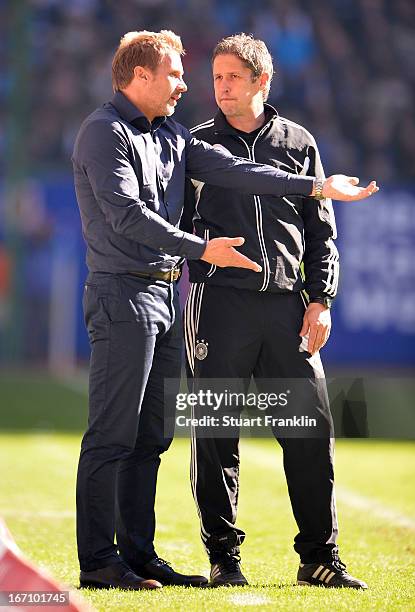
[[133, 115]]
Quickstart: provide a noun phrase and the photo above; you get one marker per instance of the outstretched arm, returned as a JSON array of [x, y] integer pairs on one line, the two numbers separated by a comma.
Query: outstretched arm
[[216, 166]]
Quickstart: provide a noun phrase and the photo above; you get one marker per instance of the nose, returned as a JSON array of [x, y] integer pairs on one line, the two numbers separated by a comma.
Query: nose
[[182, 86], [225, 87]]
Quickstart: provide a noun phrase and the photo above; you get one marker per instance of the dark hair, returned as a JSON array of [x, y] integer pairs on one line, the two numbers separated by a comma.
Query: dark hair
[[251, 51]]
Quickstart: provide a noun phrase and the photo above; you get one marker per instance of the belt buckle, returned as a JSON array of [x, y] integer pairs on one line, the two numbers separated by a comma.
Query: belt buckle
[[174, 274]]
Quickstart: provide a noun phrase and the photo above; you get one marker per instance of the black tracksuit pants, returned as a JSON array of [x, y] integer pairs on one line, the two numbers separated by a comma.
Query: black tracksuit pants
[[135, 332], [250, 333]]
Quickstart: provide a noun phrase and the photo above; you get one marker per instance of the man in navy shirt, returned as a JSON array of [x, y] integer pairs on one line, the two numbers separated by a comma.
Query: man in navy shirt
[[130, 162]]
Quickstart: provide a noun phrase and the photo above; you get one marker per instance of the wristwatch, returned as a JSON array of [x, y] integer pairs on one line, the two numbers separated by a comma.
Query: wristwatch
[[326, 301], [318, 189]]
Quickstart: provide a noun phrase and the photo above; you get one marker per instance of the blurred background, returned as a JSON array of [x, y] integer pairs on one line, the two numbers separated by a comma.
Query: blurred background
[[344, 69]]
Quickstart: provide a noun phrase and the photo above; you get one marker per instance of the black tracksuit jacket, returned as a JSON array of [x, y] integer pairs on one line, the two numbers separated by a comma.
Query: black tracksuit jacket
[[280, 233]]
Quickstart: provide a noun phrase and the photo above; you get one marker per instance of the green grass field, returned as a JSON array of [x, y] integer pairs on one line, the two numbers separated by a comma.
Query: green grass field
[[376, 504]]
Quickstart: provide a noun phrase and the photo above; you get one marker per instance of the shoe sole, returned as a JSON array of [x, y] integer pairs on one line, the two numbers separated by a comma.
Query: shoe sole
[[317, 584], [202, 585], [197, 585], [330, 586], [214, 585], [103, 585], [95, 585]]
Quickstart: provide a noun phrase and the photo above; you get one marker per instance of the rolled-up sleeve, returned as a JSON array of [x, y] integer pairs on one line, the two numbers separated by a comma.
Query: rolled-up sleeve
[[216, 166], [102, 154]]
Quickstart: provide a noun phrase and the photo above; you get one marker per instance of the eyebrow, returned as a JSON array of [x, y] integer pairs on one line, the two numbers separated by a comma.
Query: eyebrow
[[228, 72]]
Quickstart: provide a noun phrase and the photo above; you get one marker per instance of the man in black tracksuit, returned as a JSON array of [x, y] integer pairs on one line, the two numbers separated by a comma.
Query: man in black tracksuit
[[240, 324]]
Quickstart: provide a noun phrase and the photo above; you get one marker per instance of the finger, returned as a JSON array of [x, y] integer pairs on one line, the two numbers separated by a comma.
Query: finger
[[369, 190], [365, 192], [312, 338], [320, 341], [319, 338], [373, 187], [237, 260], [305, 327], [323, 337], [324, 342], [327, 335], [316, 346], [233, 242]]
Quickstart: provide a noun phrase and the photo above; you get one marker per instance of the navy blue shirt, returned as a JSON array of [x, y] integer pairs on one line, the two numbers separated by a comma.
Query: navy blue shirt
[[130, 180]]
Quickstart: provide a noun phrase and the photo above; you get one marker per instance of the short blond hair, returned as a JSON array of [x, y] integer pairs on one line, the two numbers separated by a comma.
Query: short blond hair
[[253, 52], [143, 48]]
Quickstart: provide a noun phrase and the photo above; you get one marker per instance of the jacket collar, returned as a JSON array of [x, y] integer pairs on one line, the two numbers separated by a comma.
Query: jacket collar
[[129, 112], [223, 127]]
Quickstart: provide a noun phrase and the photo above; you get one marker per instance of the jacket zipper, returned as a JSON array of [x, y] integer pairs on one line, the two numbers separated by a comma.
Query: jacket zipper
[[258, 213]]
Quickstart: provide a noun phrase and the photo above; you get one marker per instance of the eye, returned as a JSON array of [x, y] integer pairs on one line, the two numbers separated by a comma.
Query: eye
[[217, 77]]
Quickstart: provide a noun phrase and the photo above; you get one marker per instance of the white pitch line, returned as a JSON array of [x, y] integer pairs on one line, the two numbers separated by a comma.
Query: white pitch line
[[47, 514], [249, 599], [346, 496], [368, 504], [77, 384], [58, 515]]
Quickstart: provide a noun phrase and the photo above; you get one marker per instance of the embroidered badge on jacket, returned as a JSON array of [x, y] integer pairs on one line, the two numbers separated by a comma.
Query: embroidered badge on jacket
[[201, 350]]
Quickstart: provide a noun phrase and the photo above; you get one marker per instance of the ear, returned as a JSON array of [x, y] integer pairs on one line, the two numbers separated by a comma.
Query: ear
[[264, 80], [141, 74]]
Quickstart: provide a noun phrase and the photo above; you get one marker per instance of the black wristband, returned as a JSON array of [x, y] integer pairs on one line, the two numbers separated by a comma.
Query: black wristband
[[325, 301]]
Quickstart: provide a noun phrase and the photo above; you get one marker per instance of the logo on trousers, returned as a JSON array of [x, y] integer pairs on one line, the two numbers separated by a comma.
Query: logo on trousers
[[201, 350]]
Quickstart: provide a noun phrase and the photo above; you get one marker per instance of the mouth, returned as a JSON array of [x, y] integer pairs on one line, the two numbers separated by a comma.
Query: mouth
[[175, 98], [227, 100]]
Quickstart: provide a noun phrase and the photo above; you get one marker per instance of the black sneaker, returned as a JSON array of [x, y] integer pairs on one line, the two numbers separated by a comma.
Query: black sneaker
[[330, 574], [161, 570], [226, 571], [116, 576]]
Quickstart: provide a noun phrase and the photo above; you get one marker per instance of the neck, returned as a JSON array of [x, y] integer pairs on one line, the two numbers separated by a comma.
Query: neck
[[139, 103], [252, 120]]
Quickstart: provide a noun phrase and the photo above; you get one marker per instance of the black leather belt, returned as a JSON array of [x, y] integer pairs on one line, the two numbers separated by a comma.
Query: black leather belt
[[169, 277]]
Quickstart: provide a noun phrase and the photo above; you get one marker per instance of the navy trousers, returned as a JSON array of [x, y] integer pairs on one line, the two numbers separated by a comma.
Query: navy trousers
[[247, 333], [135, 333]]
